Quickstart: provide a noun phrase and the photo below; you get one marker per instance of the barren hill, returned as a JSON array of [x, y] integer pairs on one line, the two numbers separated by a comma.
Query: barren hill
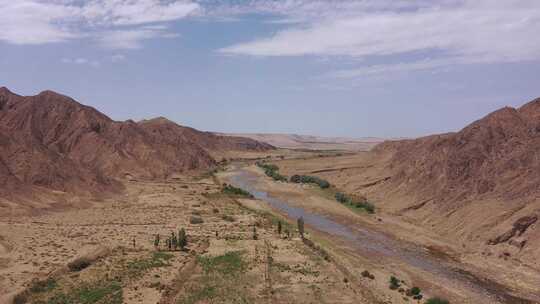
[[479, 187], [50, 140], [496, 156]]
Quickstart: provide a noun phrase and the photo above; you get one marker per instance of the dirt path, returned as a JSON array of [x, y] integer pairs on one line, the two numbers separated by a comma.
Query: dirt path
[[436, 272]]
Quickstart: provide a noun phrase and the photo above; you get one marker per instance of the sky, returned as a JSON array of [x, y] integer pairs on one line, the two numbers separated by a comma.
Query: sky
[[355, 68]]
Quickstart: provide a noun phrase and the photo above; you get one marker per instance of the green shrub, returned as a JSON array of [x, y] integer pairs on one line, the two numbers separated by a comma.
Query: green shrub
[[196, 220], [79, 264], [394, 283], [306, 179], [437, 300], [272, 171], [231, 190], [362, 204], [367, 274], [415, 291]]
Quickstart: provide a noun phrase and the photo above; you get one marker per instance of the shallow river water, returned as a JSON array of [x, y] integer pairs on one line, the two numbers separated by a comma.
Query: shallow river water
[[369, 242]]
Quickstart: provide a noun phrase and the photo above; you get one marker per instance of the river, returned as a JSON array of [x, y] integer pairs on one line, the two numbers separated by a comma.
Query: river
[[368, 242]]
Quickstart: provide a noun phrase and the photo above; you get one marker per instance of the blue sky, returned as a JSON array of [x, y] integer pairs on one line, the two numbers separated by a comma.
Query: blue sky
[[386, 68]]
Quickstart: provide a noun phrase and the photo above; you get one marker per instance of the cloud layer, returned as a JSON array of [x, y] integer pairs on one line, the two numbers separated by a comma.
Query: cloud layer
[[113, 23], [454, 32]]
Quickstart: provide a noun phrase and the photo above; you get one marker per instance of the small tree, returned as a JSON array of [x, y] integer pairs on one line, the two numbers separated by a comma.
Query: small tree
[[156, 241], [279, 227], [169, 243], [174, 241], [300, 223], [182, 239], [255, 236], [394, 283]]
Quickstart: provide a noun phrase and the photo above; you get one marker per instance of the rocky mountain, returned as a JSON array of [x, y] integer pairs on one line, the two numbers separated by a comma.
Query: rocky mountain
[[496, 156], [480, 185], [52, 141]]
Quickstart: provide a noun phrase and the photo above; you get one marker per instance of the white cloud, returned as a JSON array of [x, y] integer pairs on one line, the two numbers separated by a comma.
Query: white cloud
[[459, 31], [126, 39], [133, 12], [82, 61], [118, 58], [49, 21]]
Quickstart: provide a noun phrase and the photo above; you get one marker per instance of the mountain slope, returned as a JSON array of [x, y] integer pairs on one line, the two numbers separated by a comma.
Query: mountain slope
[[52, 141], [497, 156]]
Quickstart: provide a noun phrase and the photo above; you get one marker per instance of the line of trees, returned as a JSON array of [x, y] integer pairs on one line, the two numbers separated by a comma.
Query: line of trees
[[174, 241], [306, 179], [359, 203], [272, 171]]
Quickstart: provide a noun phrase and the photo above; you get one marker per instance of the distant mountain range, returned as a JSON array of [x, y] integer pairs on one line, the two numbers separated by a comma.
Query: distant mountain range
[[308, 142]]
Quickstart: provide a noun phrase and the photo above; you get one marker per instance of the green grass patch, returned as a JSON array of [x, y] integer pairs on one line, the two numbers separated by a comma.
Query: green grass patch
[[105, 292], [437, 301], [231, 263], [158, 259], [223, 280], [43, 286]]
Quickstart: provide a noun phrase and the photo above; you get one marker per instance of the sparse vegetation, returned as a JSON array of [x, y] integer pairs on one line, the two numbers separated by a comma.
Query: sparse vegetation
[[272, 171], [100, 292], [394, 283], [361, 204], [367, 274], [79, 264], [234, 191], [231, 263], [43, 286], [195, 220], [306, 179], [300, 223], [158, 259], [255, 235], [228, 218], [437, 300], [182, 239], [216, 285], [156, 241]]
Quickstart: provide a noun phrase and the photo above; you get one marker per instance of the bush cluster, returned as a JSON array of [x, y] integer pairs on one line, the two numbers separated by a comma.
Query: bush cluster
[[306, 179], [367, 274], [272, 171], [359, 204], [437, 301], [231, 190]]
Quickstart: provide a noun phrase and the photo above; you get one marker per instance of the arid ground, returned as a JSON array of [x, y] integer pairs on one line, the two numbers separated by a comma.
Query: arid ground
[[105, 253]]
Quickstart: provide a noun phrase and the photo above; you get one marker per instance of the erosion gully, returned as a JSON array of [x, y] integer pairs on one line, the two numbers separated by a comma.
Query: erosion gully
[[368, 242]]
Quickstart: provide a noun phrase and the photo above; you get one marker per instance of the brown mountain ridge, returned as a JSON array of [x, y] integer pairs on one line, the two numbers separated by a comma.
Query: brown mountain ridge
[[52, 141]]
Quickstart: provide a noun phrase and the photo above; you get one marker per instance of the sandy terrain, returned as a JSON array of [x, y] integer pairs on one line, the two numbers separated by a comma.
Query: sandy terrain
[[309, 142], [271, 268]]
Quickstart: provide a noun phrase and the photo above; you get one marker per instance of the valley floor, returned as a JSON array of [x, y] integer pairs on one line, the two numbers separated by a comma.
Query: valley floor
[[106, 254]]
